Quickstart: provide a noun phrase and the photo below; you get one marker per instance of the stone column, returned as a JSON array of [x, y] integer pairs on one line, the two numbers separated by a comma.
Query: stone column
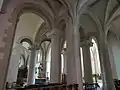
[[106, 66], [74, 68], [112, 61], [85, 44], [55, 75], [31, 69], [111, 44], [7, 32]]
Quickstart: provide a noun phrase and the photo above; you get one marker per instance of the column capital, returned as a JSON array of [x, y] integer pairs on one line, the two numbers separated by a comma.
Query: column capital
[[86, 42], [64, 50], [35, 47], [54, 33]]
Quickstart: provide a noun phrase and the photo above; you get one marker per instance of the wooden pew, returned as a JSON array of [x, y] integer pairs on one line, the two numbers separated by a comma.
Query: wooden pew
[[117, 84], [53, 86]]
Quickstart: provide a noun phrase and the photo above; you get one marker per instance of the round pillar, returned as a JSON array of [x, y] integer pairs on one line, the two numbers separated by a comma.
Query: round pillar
[[74, 68], [55, 74], [85, 44], [106, 66], [31, 69]]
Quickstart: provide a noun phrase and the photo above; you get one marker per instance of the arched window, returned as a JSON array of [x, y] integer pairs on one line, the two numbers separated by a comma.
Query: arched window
[[48, 64], [38, 63], [21, 62], [39, 57], [95, 61], [63, 57], [81, 55], [26, 43], [24, 55]]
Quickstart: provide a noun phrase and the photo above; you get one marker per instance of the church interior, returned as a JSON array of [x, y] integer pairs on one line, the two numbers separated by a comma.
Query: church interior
[[59, 45]]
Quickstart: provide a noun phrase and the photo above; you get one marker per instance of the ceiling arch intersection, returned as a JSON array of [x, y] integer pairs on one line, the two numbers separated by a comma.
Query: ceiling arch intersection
[[114, 15]]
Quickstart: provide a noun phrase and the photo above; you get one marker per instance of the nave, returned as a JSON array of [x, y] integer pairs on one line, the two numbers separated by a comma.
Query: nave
[[59, 44]]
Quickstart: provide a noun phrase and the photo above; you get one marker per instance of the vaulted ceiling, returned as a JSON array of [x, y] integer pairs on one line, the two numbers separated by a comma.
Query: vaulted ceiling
[[103, 12]]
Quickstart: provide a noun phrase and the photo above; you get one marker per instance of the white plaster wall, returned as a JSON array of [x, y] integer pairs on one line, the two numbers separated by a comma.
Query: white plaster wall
[[27, 26], [88, 24], [14, 62], [13, 67], [116, 53], [112, 61], [111, 39]]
